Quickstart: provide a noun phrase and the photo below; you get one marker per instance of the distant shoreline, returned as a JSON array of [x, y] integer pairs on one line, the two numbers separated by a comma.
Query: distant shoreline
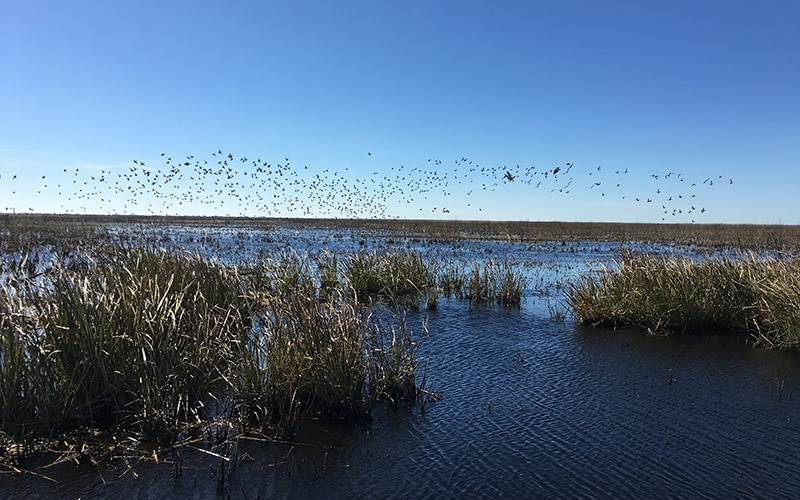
[[745, 236]]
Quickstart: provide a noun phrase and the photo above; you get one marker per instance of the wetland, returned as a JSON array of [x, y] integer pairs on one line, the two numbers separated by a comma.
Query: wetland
[[453, 387]]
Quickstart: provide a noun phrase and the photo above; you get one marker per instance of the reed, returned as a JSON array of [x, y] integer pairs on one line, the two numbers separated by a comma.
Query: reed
[[325, 357], [328, 270], [400, 277], [451, 280], [139, 340], [20, 375], [142, 338], [124, 334], [393, 362], [406, 277], [495, 281], [746, 293], [362, 274], [288, 273]]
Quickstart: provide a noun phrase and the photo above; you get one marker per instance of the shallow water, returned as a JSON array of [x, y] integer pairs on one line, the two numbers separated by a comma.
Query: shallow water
[[530, 407]]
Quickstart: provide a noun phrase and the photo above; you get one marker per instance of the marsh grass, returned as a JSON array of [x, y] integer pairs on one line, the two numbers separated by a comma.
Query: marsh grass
[[21, 233], [451, 280], [362, 273], [127, 336], [400, 277], [20, 381], [328, 270], [322, 356], [394, 363], [405, 277], [495, 281], [745, 293], [145, 339], [316, 355], [139, 340], [288, 273]]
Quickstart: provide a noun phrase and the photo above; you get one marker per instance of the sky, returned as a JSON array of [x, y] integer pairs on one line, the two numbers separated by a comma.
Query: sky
[[618, 111]]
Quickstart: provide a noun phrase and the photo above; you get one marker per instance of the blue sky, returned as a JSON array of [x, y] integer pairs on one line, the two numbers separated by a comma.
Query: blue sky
[[418, 109]]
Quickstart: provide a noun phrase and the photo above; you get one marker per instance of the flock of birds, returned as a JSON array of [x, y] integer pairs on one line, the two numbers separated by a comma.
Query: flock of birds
[[227, 184]]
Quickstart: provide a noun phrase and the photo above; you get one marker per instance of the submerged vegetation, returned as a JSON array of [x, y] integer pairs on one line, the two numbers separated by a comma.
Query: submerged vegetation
[[745, 293]]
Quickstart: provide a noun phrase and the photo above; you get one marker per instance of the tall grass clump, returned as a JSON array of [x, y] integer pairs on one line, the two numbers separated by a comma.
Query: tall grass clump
[[137, 338], [320, 357], [288, 273], [393, 362], [304, 355], [362, 274], [25, 395], [451, 280], [494, 281], [328, 271], [143, 339], [399, 277], [746, 293]]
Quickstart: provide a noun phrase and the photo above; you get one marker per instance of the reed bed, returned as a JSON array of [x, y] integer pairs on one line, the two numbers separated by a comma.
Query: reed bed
[[328, 358], [452, 279], [404, 277], [745, 293], [21, 233], [304, 356], [145, 340], [123, 335], [134, 338], [495, 281], [400, 277]]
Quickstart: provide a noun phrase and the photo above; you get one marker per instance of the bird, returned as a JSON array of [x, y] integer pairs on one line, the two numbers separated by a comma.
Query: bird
[[254, 186]]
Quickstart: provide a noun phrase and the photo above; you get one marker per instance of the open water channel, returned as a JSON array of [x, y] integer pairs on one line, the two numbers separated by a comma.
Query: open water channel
[[530, 406]]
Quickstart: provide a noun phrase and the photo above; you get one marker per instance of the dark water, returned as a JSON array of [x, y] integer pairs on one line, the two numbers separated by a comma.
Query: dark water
[[530, 407]]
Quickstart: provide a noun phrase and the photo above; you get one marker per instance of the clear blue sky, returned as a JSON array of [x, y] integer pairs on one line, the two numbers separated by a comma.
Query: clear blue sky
[[419, 109]]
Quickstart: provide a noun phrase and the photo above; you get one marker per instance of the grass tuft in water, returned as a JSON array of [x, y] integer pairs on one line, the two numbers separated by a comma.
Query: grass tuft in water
[[139, 340], [495, 281], [400, 277], [325, 357], [745, 293], [393, 362]]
